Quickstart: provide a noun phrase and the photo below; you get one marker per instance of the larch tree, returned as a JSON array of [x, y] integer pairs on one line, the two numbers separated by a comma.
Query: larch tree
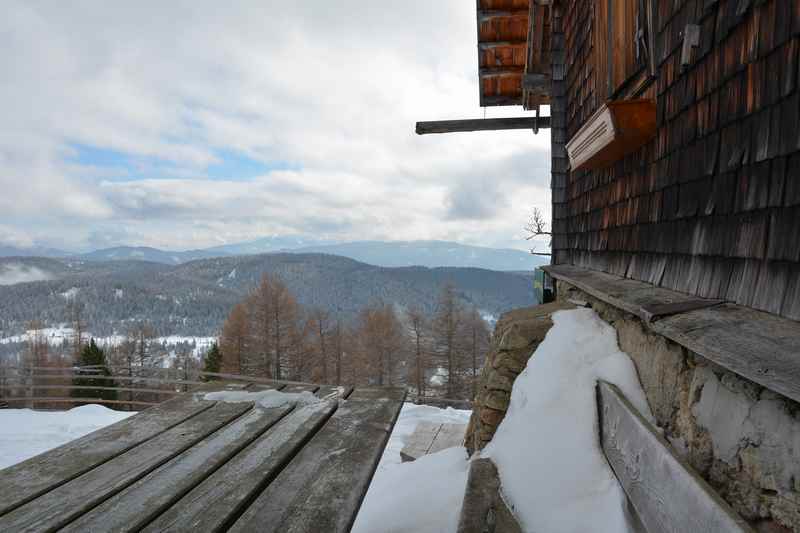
[[276, 313], [319, 326], [234, 340], [477, 337], [418, 325], [446, 325], [382, 343], [75, 311]]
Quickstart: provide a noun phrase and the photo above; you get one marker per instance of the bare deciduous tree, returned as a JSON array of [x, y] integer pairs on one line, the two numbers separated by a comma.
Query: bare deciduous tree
[[536, 227]]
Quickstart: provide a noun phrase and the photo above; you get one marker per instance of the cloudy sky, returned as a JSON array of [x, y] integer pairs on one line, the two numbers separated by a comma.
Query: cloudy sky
[[187, 124]]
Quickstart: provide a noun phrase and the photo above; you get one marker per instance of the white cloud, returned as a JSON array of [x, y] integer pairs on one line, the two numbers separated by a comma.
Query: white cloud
[[332, 88]]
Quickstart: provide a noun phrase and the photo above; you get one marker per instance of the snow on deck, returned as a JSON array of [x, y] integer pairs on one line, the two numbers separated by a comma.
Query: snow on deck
[[25, 432], [423, 496]]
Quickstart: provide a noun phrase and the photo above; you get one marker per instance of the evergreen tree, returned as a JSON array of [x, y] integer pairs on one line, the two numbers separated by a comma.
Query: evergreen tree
[[93, 355], [213, 361]]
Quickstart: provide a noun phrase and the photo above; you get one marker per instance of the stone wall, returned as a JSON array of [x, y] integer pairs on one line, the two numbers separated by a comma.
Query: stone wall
[[742, 438], [516, 336]]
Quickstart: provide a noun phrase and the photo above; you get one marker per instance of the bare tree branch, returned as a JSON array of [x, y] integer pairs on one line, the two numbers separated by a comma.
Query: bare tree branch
[[537, 225]]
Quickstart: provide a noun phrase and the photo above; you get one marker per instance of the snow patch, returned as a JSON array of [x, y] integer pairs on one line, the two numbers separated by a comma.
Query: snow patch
[[422, 496], [439, 377], [553, 472], [266, 399], [70, 293], [25, 433], [13, 274]]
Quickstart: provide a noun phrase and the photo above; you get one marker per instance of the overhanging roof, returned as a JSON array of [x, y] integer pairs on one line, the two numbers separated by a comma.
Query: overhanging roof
[[513, 52]]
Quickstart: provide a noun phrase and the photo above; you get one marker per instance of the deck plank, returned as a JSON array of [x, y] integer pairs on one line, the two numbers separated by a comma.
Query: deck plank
[[140, 503], [378, 393], [300, 387], [63, 504], [29, 479], [224, 495], [314, 494], [334, 391], [420, 441], [667, 494]]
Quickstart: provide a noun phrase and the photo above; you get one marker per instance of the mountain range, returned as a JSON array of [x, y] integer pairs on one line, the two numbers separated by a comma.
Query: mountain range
[[193, 298], [430, 254]]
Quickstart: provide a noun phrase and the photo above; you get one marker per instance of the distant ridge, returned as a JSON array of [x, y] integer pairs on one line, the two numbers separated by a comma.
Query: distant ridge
[[379, 253], [193, 298]]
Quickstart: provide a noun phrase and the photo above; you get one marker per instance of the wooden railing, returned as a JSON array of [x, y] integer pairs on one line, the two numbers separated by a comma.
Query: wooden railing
[[137, 388]]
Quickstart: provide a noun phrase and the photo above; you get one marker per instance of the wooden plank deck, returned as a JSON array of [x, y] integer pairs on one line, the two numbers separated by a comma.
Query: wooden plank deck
[[195, 464], [667, 494]]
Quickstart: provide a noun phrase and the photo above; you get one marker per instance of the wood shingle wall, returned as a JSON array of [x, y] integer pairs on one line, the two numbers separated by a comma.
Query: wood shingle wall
[[711, 206]]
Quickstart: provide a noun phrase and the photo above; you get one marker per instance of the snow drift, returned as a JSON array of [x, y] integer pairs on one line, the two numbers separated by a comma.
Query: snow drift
[[553, 472]]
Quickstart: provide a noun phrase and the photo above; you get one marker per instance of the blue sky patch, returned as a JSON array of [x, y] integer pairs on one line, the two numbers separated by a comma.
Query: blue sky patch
[[232, 165]]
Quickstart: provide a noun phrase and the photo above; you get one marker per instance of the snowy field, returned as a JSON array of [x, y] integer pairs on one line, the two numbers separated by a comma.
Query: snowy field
[[25, 432]]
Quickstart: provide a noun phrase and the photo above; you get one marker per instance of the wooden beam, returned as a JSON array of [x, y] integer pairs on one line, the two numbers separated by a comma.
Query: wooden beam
[[500, 71], [502, 44], [481, 124], [666, 493], [501, 99], [488, 14]]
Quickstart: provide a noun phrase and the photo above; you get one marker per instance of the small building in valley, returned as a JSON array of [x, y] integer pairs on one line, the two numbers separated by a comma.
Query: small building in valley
[[675, 134]]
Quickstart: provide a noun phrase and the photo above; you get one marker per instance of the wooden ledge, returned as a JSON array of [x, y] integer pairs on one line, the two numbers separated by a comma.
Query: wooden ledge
[[758, 346], [639, 298]]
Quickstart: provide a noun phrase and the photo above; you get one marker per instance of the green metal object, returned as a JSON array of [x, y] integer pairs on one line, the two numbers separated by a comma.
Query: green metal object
[[542, 286]]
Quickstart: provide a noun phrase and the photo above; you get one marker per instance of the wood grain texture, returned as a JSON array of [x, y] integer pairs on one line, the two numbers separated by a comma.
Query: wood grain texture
[[222, 497], [667, 494], [66, 502], [759, 346], [330, 392], [59, 506], [636, 297], [27, 480], [143, 501], [313, 494], [396, 394]]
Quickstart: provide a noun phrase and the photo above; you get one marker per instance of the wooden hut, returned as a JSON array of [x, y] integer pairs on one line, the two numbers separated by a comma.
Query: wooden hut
[[675, 131]]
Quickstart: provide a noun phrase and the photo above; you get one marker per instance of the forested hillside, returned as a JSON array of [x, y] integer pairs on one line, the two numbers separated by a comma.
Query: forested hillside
[[194, 298]]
